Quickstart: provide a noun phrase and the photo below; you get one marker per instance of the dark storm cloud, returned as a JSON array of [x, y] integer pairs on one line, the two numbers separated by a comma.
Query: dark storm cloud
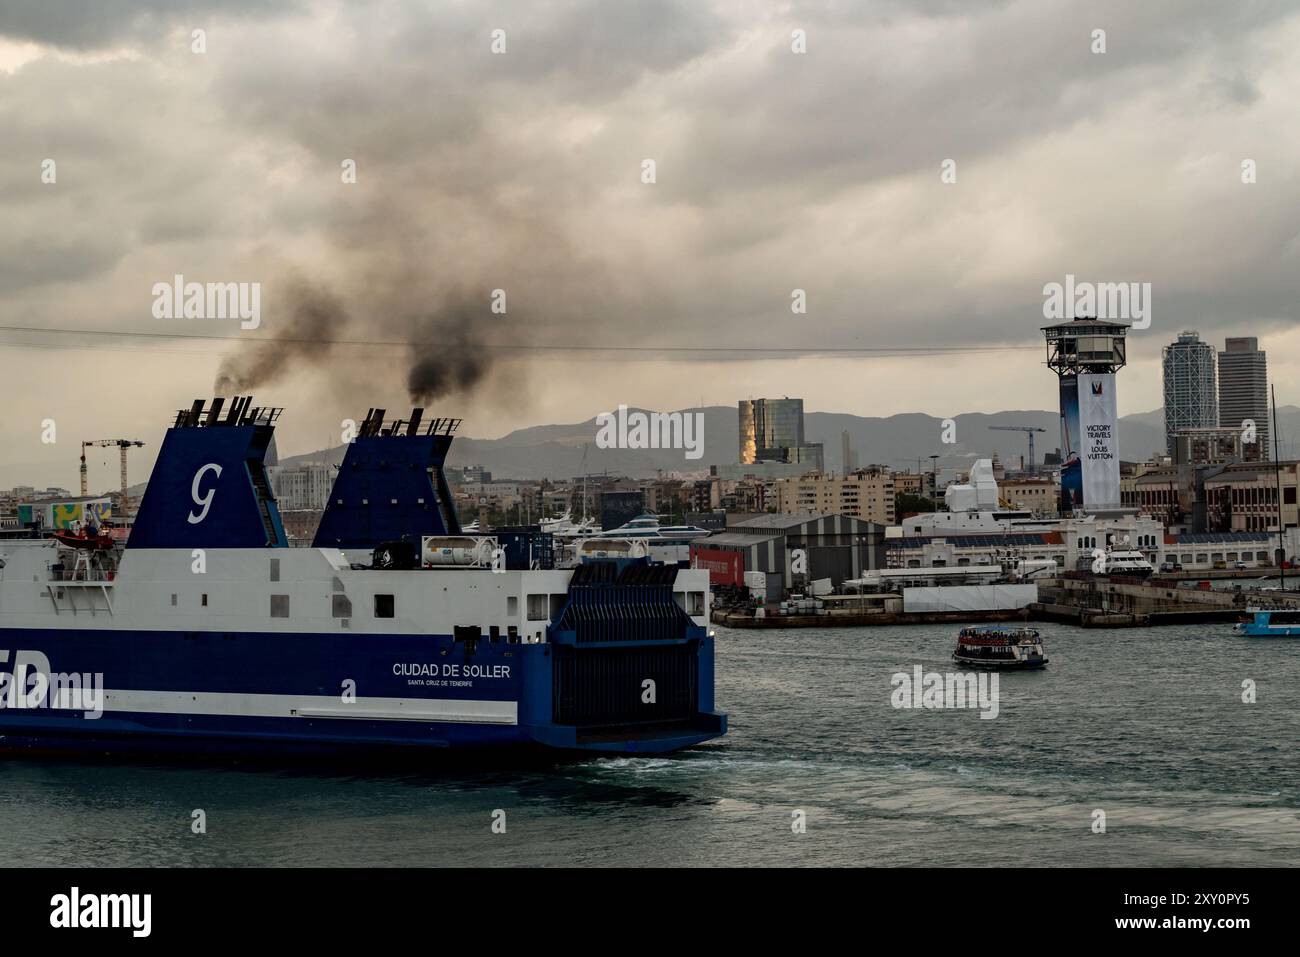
[[520, 171], [95, 24], [429, 78], [1237, 90], [124, 179], [858, 108], [28, 264]]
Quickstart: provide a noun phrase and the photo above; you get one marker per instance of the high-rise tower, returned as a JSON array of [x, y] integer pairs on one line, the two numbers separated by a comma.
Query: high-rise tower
[[1243, 392], [771, 430], [1086, 354], [1191, 399], [848, 457]]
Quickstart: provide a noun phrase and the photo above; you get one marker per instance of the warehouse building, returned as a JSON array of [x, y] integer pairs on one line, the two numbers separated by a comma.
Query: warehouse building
[[802, 547]]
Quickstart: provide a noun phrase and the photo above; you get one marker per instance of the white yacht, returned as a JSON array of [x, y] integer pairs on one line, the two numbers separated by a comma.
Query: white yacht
[[975, 508], [647, 527], [566, 527], [1128, 561]]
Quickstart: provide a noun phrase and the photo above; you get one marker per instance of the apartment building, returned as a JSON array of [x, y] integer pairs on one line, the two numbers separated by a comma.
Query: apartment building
[[866, 494]]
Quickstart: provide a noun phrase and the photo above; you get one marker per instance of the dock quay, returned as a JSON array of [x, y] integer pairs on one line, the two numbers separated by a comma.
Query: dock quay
[[732, 619], [1117, 602], [1074, 598]]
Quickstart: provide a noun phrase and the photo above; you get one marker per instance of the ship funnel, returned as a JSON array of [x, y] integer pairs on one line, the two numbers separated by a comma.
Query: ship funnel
[[391, 485], [209, 487]]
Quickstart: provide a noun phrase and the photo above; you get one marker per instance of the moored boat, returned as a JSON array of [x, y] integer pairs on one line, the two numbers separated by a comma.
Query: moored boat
[[646, 527], [1270, 624], [1128, 562], [1002, 648]]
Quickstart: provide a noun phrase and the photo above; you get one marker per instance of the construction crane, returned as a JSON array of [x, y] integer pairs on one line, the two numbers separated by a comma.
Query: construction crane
[[1028, 430], [123, 445]]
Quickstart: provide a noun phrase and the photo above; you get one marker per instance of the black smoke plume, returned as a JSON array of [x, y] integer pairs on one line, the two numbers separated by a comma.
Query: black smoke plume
[[314, 316], [447, 356], [446, 352]]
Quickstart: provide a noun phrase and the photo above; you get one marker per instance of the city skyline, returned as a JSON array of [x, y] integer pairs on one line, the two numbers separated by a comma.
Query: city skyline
[[103, 469]]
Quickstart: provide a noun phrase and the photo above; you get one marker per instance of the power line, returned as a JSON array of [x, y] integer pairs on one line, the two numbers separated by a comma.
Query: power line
[[164, 337]]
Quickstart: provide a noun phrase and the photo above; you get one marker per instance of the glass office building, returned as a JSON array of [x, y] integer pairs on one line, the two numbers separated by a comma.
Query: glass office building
[[1243, 391], [771, 430]]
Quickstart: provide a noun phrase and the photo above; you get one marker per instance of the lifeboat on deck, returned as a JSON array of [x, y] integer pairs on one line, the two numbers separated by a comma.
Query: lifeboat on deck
[[87, 539]]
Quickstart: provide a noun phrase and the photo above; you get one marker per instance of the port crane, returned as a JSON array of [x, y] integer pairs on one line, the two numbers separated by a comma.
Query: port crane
[[121, 444], [1029, 430]]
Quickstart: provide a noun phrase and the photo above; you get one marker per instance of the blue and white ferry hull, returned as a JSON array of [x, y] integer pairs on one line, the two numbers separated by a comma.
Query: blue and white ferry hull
[[206, 635], [244, 692]]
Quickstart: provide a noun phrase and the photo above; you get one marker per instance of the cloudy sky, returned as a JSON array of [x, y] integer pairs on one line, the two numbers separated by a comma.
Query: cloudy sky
[[523, 171]]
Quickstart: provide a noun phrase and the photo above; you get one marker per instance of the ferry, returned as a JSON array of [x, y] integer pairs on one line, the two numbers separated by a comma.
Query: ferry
[[205, 633], [1270, 624], [1000, 648]]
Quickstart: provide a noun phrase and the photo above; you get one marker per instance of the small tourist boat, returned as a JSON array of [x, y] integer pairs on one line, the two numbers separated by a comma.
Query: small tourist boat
[[1002, 648], [1270, 624]]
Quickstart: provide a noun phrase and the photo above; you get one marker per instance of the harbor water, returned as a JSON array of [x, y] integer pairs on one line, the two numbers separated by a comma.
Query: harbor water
[[1144, 731]]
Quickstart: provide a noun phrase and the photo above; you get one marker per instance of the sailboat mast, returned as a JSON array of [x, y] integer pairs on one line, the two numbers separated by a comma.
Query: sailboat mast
[[584, 484], [1277, 472]]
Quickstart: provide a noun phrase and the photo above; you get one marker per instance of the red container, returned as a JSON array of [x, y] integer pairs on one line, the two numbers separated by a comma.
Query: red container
[[725, 567]]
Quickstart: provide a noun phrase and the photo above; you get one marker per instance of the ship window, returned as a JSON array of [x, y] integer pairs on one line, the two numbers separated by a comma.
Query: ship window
[[1261, 556], [1185, 559], [1202, 557], [341, 606], [173, 599], [275, 569], [279, 606], [204, 600], [538, 607], [695, 603], [557, 605], [384, 606], [512, 606]]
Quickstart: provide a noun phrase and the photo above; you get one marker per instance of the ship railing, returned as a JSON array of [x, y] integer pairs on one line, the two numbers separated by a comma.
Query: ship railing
[[97, 575]]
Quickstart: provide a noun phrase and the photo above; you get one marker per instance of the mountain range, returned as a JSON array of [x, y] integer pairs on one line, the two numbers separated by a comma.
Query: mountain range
[[897, 441]]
